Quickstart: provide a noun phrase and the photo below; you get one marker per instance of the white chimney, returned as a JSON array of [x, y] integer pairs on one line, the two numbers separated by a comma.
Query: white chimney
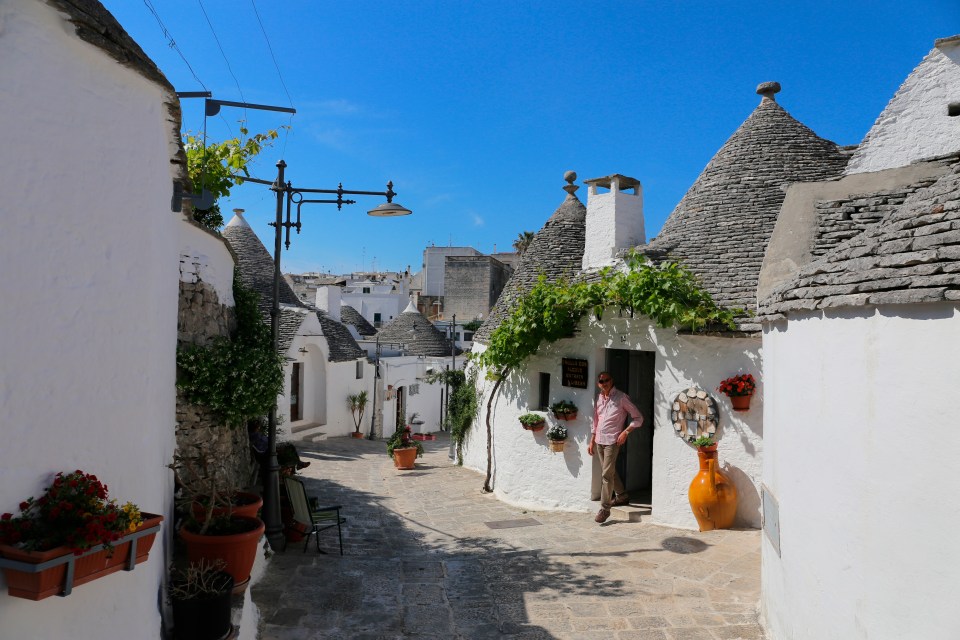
[[614, 219], [328, 299]]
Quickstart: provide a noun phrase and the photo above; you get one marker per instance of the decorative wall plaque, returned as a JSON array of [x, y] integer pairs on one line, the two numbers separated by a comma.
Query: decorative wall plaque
[[694, 414], [574, 373]]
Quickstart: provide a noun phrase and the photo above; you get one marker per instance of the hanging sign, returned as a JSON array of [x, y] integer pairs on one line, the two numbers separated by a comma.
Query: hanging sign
[[574, 373]]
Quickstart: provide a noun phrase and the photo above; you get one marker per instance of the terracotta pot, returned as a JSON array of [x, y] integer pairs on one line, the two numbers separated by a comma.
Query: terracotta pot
[[49, 582], [249, 506], [405, 458], [557, 445], [713, 497], [534, 427], [570, 416], [237, 550], [205, 617], [741, 403], [357, 435]]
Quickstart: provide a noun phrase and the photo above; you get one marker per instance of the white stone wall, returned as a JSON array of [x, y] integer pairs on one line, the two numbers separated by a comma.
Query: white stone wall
[[861, 406], [614, 221], [204, 257], [89, 256], [528, 474], [404, 371], [915, 125]]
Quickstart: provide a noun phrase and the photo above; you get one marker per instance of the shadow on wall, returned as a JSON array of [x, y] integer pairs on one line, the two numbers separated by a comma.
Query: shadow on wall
[[748, 498]]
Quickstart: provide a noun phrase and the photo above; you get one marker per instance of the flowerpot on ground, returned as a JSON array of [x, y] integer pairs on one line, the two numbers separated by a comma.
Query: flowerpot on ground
[[405, 458], [93, 564], [357, 435], [202, 607], [234, 540], [243, 503], [713, 498]]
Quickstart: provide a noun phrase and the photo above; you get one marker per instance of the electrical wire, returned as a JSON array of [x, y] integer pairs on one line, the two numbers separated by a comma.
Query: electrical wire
[[286, 135], [172, 43], [222, 53]]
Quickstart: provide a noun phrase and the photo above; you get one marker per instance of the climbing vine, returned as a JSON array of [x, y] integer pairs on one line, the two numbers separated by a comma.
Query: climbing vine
[[239, 377]]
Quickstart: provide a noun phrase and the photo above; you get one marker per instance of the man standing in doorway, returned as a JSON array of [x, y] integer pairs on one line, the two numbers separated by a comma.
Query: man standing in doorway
[[608, 435]]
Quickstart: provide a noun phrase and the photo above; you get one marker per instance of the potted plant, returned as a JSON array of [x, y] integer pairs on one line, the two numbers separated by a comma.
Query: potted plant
[[738, 389], [201, 595], [404, 449], [564, 410], [704, 443], [357, 402], [226, 536], [557, 435], [75, 521], [532, 421]]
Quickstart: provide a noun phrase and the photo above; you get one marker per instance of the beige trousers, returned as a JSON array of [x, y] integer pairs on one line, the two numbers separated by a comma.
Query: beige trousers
[[610, 482]]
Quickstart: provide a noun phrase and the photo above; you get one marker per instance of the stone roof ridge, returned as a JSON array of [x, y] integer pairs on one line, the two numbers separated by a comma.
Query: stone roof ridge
[[911, 256], [238, 220], [556, 251], [721, 227]]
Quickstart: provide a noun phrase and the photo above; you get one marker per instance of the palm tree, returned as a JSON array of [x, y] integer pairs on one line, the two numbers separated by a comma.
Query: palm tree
[[523, 241], [357, 403]]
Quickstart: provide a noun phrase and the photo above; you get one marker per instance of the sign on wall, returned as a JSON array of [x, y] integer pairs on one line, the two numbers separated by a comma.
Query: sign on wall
[[574, 373]]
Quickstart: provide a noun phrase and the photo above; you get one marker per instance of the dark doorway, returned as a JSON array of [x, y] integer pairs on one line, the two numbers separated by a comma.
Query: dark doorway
[[634, 373], [401, 414], [296, 392]]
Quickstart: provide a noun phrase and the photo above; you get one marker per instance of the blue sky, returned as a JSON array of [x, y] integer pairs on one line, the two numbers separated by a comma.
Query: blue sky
[[476, 109]]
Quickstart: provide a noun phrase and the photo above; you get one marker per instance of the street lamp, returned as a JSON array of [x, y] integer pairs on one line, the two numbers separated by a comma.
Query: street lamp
[[292, 195]]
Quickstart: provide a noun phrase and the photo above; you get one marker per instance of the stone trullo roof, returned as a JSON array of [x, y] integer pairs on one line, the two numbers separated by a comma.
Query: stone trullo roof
[[418, 335], [556, 251], [349, 315], [721, 227], [911, 256], [256, 272]]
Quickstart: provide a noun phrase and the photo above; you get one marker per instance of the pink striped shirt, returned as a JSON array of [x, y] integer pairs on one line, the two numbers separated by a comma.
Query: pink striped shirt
[[609, 414]]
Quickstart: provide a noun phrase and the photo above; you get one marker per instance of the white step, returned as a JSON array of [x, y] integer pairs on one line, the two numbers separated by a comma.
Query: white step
[[631, 512]]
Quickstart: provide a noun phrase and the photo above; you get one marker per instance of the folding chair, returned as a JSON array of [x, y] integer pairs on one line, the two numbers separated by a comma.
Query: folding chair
[[310, 515]]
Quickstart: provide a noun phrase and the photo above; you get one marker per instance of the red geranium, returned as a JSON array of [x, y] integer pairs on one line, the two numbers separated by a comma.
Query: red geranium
[[742, 385]]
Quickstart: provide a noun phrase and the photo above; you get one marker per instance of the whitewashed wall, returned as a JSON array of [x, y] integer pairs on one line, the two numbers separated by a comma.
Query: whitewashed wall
[[527, 473], [403, 371], [89, 257], [915, 125], [204, 257], [861, 411]]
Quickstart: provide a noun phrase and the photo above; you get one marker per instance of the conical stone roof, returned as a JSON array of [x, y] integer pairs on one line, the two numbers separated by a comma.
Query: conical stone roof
[[351, 316], [418, 335], [255, 265], [721, 227], [556, 252]]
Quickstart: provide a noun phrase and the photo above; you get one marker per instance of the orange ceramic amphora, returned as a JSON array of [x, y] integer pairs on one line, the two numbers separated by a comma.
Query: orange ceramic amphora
[[713, 497]]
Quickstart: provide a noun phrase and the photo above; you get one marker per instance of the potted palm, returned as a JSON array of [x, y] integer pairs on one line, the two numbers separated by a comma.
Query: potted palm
[[532, 421], [201, 595], [557, 435], [739, 389], [404, 449], [564, 410], [357, 402]]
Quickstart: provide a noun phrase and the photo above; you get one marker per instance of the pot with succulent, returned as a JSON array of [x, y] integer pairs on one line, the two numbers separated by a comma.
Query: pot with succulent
[[234, 539], [564, 410], [403, 448], [532, 421], [357, 403], [557, 435], [713, 497], [201, 597], [739, 389], [71, 535]]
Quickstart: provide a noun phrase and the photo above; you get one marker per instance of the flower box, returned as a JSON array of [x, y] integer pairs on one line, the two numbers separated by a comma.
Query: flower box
[[36, 575]]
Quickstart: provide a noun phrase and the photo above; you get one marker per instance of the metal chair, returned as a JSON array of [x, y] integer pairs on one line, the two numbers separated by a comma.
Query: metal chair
[[315, 517]]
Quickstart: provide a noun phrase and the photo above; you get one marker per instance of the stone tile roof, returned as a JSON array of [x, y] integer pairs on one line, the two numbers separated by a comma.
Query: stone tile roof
[[418, 334], [911, 256], [556, 251], [351, 316], [721, 227], [255, 265]]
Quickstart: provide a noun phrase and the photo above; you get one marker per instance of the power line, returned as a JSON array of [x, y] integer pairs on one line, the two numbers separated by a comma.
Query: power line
[[222, 53], [172, 43], [286, 135]]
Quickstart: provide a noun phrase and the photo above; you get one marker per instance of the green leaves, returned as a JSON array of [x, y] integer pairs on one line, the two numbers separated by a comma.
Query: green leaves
[[668, 293]]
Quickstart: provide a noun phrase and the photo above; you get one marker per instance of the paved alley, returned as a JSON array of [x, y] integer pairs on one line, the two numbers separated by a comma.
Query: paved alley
[[423, 561]]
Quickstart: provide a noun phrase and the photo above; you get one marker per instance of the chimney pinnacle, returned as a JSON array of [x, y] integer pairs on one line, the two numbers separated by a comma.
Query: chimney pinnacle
[[570, 176], [768, 90]]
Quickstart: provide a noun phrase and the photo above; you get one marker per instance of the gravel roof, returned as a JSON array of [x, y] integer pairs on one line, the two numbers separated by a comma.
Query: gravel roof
[[349, 315], [556, 251], [418, 334], [255, 265], [721, 227], [911, 256]]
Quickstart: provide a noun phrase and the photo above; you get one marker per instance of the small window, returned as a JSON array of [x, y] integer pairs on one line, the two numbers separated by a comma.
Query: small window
[[414, 389], [468, 336], [359, 369], [366, 289], [544, 399], [377, 320]]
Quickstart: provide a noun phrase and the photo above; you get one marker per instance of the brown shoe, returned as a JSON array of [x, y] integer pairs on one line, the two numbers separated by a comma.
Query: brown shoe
[[621, 500], [602, 515]]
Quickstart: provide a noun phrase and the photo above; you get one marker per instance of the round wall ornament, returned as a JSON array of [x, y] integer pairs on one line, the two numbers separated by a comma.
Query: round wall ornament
[[694, 414]]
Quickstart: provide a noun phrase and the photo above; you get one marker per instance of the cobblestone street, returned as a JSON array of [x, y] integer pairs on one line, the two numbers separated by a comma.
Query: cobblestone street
[[421, 561]]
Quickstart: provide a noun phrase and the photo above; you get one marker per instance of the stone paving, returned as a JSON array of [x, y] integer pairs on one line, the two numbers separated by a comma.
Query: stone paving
[[421, 562]]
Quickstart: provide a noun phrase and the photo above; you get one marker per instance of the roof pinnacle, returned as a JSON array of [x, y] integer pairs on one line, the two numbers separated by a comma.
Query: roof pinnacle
[[768, 90], [570, 176]]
